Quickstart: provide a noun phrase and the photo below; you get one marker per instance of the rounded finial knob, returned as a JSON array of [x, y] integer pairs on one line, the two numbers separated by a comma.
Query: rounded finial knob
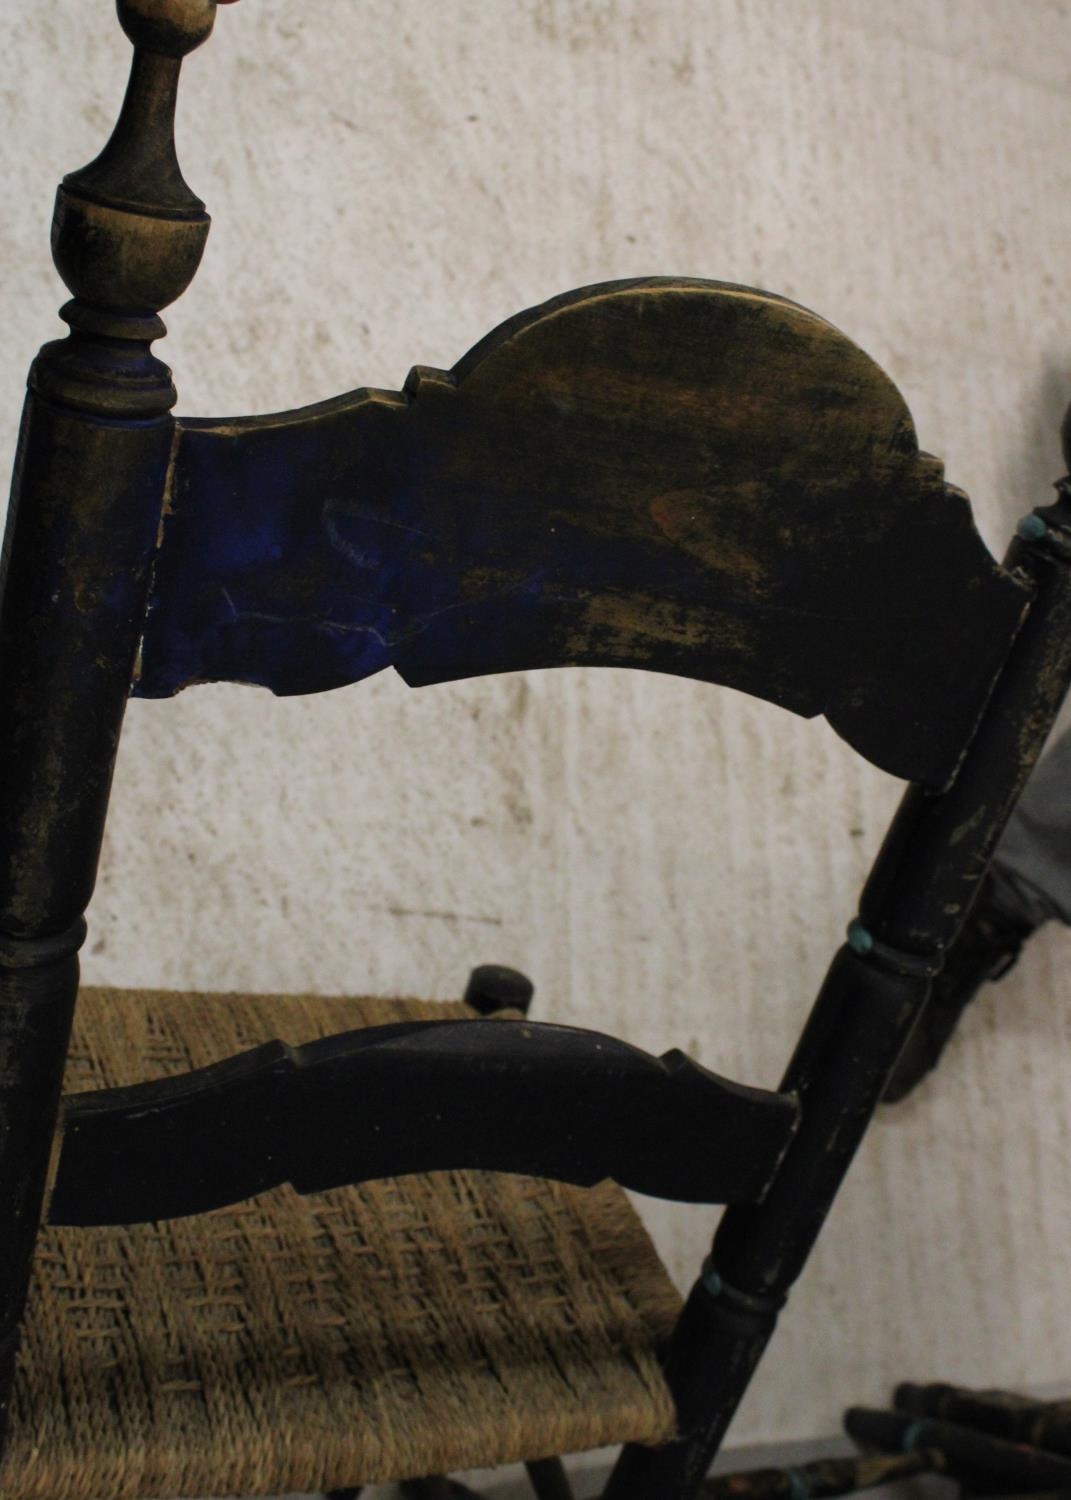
[[169, 27]]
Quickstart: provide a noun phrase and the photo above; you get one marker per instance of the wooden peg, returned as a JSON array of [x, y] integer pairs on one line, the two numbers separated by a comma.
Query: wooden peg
[[493, 987]]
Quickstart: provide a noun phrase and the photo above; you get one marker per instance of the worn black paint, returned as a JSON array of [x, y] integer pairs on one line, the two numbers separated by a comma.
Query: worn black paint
[[966, 1454], [549, 1480], [938, 844], [87, 494], [678, 475], [1001, 1414], [420, 1096], [825, 1477]]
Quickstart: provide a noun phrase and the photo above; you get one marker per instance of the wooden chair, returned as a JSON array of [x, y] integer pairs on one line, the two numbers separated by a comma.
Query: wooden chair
[[675, 475]]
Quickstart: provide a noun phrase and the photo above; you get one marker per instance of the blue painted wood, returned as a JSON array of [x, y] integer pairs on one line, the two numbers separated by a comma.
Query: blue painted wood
[[682, 476]]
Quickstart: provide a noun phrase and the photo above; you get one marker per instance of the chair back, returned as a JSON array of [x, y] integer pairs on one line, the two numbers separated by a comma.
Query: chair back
[[672, 475], [681, 476]]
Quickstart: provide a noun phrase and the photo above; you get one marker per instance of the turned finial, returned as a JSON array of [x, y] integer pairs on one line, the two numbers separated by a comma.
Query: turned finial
[[170, 27], [129, 233]]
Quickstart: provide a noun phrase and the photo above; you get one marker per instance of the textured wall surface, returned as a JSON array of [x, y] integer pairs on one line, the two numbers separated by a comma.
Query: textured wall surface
[[670, 862]]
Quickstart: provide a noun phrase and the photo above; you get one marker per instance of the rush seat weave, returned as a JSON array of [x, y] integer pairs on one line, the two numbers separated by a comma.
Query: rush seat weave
[[403, 1328]]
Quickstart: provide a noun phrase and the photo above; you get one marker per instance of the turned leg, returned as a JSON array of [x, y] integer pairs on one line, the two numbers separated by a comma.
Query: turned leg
[[549, 1480]]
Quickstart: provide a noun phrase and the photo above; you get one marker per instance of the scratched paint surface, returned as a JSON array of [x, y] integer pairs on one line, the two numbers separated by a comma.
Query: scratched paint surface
[[673, 475], [672, 862]]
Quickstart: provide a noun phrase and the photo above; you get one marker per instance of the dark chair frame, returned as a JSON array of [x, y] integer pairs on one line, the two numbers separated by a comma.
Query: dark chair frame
[[516, 491]]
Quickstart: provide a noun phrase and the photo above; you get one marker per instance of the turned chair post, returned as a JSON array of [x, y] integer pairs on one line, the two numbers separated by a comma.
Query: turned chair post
[[918, 895], [87, 496]]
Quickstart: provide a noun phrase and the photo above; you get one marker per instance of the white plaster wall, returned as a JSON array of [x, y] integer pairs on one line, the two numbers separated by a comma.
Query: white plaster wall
[[669, 861]]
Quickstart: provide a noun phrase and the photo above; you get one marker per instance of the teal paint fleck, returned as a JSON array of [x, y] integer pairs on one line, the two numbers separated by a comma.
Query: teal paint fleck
[[858, 938], [1031, 528]]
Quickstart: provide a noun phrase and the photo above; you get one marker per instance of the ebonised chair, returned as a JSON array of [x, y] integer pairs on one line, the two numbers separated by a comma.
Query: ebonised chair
[[680, 476]]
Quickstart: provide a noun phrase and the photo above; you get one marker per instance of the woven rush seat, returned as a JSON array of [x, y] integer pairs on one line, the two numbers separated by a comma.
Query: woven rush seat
[[406, 1327]]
